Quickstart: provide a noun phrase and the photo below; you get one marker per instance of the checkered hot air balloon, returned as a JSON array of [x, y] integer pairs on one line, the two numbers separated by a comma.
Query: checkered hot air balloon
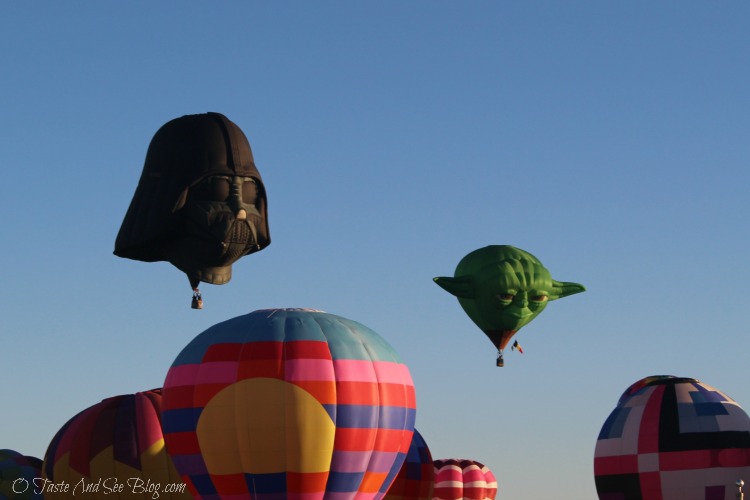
[[416, 479], [460, 478], [117, 443], [17, 474], [672, 438], [288, 403]]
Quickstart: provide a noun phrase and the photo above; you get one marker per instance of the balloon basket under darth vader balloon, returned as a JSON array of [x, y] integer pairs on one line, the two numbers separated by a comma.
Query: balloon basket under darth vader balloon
[[197, 302], [200, 203]]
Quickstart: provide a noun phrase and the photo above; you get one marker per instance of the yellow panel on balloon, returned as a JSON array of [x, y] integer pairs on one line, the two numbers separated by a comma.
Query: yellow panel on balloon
[[285, 429], [157, 463]]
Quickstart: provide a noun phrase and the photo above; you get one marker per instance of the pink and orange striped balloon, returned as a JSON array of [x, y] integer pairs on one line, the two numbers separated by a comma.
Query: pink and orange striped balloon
[[288, 403]]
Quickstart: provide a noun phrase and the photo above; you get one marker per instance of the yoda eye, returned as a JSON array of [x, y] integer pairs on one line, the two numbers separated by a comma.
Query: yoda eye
[[539, 298], [505, 297]]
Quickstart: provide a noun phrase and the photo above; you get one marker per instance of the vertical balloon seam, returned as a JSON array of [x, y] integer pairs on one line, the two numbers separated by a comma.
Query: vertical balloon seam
[[333, 414], [128, 410], [108, 405], [49, 455], [372, 359], [166, 461], [375, 358], [195, 417], [133, 408], [145, 406], [239, 406], [318, 320], [284, 398], [88, 418], [229, 141], [401, 453], [54, 449], [62, 447]]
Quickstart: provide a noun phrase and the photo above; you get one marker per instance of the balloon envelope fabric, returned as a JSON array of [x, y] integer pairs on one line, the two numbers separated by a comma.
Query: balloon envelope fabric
[[113, 450], [288, 403], [17, 475], [416, 479], [459, 478], [672, 438]]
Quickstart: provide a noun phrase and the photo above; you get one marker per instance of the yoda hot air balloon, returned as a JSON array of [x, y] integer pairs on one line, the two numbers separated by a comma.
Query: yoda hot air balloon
[[200, 203], [503, 288]]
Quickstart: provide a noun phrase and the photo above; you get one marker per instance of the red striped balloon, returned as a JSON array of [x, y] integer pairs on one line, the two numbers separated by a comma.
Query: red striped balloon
[[288, 404], [113, 450], [458, 478]]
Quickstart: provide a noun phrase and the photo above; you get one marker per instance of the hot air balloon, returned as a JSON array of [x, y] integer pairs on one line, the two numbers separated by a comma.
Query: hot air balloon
[[416, 479], [200, 203], [19, 476], [502, 288], [113, 449], [672, 438], [460, 478], [288, 403]]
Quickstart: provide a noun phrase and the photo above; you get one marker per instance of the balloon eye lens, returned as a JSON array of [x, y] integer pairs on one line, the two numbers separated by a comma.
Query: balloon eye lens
[[211, 189], [505, 297], [539, 298], [219, 189], [249, 192]]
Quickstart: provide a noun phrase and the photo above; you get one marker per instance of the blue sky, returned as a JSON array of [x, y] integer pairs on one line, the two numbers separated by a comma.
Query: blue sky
[[608, 139]]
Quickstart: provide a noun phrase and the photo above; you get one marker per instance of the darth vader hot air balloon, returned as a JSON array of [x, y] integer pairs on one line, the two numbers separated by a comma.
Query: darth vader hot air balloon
[[200, 203]]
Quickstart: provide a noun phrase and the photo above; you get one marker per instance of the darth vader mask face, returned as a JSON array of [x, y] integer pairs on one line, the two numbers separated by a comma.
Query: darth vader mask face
[[219, 222], [200, 203]]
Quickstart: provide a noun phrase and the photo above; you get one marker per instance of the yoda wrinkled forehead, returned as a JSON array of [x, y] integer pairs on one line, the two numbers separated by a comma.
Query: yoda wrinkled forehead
[[503, 259]]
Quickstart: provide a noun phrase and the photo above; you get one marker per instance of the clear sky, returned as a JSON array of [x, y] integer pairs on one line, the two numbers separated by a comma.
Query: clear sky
[[610, 139]]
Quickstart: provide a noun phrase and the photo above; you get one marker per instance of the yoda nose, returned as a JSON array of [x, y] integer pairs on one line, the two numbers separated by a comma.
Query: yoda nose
[[522, 299]]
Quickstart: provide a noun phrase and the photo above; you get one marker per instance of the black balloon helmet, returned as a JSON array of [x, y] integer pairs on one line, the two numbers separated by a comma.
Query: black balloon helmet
[[200, 202]]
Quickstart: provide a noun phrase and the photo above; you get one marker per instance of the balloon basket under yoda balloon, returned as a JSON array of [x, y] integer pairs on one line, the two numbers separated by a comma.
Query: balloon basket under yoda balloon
[[200, 203], [503, 288]]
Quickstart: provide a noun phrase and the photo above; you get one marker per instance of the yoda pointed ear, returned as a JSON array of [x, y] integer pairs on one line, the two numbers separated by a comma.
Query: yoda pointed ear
[[460, 287], [562, 289]]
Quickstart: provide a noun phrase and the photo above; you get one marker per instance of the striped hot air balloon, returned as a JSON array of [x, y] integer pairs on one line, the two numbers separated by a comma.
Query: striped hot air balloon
[[112, 450], [460, 478], [416, 479], [288, 403]]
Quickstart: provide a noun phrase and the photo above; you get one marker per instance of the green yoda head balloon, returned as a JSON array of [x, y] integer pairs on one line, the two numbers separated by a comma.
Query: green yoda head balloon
[[503, 288]]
